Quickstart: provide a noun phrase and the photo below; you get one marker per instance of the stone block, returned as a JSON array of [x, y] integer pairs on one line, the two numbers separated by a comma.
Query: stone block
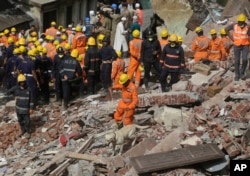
[[231, 149], [202, 68], [213, 90]]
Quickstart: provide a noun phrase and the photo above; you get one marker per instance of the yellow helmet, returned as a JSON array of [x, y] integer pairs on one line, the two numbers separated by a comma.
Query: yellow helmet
[[6, 31], [13, 29], [141, 68], [29, 39], [21, 78], [51, 38], [22, 41], [37, 43], [180, 39], [123, 78], [119, 53], [74, 53], [22, 49], [53, 23], [31, 52], [223, 31], [47, 37], [17, 44], [91, 41], [63, 37], [34, 39], [1, 34], [173, 38], [241, 17], [67, 46], [34, 34], [79, 58], [10, 40], [100, 37], [164, 33], [56, 42], [136, 33], [213, 32], [16, 51], [39, 48], [198, 29], [45, 51], [78, 28]]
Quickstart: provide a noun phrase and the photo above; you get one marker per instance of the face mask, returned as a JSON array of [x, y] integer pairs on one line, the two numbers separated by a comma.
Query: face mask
[[60, 55], [150, 39]]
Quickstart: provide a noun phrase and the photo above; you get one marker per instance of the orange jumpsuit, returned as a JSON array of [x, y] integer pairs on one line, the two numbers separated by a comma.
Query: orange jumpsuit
[[14, 36], [200, 48], [5, 41], [217, 51], [126, 106], [79, 42], [227, 43], [51, 31], [118, 67], [134, 62], [51, 50], [163, 43]]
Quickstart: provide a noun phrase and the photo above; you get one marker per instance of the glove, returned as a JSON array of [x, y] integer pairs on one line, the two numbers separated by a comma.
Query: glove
[[119, 125], [31, 111]]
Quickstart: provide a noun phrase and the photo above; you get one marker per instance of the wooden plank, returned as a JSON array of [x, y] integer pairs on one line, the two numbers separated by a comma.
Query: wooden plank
[[74, 155], [66, 163], [176, 158]]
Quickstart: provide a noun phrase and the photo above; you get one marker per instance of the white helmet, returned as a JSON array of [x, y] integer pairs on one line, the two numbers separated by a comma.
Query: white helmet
[[91, 13], [137, 5]]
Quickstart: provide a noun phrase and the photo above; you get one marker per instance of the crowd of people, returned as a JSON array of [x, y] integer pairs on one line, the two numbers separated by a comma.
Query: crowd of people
[[89, 55]]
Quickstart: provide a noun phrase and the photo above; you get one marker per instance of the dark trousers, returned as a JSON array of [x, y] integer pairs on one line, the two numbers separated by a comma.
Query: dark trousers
[[58, 87], [106, 75], [24, 122], [45, 87], [12, 81], [238, 51], [163, 78], [147, 69], [66, 88], [92, 83]]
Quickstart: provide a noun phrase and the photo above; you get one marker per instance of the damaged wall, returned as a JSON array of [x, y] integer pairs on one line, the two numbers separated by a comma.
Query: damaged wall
[[175, 14]]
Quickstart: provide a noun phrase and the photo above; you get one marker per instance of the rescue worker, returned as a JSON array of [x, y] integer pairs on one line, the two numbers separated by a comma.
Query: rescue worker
[[118, 68], [67, 49], [139, 13], [88, 28], [200, 45], [180, 40], [13, 34], [100, 38], [69, 72], [5, 37], [52, 30], [120, 42], [80, 83], [173, 63], [51, 48], [216, 50], [135, 58], [107, 56], [92, 62], [241, 34], [26, 66], [79, 40], [59, 57], [10, 48], [164, 38], [45, 76], [11, 69], [64, 40], [150, 51], [227, 43], [24, 104], [124, 114]]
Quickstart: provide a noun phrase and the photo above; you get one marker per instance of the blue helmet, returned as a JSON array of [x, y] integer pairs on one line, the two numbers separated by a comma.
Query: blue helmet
[[114, 6], [87, 19]]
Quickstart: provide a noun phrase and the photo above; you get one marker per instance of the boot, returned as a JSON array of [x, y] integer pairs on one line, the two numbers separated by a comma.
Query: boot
[[23, 131]]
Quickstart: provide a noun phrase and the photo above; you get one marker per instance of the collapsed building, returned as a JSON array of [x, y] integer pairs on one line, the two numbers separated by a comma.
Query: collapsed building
[[195, 129]]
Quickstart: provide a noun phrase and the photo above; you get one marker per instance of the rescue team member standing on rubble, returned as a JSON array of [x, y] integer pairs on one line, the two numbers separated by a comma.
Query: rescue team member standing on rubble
[[150, 51], [24, 104], [227, 43], [217, 51], [200, 45], [124, 114], [107, 56], [70, 71], [135, 58], [173, 62], [241, 34], [118, 67], [92, 62]]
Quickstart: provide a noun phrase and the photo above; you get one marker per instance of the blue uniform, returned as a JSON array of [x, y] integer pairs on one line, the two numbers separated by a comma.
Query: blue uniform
[[11, 71]]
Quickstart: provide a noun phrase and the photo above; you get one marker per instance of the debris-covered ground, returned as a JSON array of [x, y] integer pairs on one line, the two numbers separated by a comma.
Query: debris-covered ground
[[205, 109]]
